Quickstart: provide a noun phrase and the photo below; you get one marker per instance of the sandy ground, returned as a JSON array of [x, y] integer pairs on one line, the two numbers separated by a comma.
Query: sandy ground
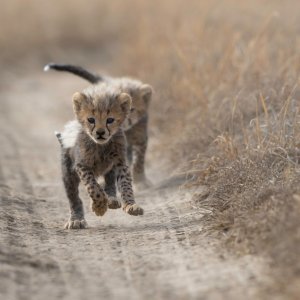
[[161, 255]]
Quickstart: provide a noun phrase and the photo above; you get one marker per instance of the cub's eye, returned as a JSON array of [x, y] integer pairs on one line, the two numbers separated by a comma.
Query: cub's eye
[[110, 120], [91, 120]]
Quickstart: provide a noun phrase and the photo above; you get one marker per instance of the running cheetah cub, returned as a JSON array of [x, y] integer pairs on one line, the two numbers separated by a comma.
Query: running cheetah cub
[[94, 145], [135, 126]]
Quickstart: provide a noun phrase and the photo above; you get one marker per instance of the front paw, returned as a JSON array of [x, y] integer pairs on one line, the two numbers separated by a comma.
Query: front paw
[[113, 203], [99, 206], [133, 209], [76, 224]]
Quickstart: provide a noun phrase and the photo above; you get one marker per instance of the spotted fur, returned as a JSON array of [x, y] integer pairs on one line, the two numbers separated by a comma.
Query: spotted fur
[[135, 126], [86, 154]]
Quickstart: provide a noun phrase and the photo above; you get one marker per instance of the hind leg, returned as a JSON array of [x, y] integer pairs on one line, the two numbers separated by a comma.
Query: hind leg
[[71, 183], [137, 140], [139, 177], [110, 190]]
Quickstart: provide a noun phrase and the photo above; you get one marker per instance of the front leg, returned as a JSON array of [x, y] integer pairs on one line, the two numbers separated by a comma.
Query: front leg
[[97, 194], [124, 183]]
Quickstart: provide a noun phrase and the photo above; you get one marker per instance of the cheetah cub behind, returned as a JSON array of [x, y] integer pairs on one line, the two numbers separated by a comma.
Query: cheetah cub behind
[[94, 145]]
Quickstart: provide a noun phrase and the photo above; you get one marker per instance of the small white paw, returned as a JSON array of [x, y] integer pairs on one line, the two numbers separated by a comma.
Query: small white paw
[[76, 224]]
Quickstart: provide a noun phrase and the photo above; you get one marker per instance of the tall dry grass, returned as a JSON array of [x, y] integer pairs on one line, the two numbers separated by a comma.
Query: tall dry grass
[[226, 76]]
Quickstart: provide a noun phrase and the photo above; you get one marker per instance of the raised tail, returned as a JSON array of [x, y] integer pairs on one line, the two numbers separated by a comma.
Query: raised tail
[[79, 71]]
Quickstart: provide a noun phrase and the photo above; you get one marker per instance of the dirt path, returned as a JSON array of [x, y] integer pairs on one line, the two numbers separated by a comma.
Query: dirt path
[[162, 255]]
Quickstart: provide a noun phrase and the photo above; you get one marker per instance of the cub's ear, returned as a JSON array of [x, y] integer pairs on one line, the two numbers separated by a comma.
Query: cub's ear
[[78, 101], [125, 102], [146, 93]]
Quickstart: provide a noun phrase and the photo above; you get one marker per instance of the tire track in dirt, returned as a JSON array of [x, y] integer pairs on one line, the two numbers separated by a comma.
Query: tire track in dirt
[[24, 229]]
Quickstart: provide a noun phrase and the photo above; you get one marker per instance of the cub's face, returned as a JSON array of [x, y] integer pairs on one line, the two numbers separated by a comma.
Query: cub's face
[[101, 116], [140, 103]]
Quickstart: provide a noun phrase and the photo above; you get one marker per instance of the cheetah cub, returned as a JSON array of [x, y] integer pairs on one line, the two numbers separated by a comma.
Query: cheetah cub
[[135, 126], [94, 145]]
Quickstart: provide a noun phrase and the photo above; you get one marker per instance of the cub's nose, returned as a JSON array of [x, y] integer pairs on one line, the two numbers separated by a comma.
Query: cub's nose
[[100, 133]]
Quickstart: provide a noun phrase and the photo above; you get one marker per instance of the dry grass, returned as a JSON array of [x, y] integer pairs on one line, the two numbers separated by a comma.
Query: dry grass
[[226, 75]]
